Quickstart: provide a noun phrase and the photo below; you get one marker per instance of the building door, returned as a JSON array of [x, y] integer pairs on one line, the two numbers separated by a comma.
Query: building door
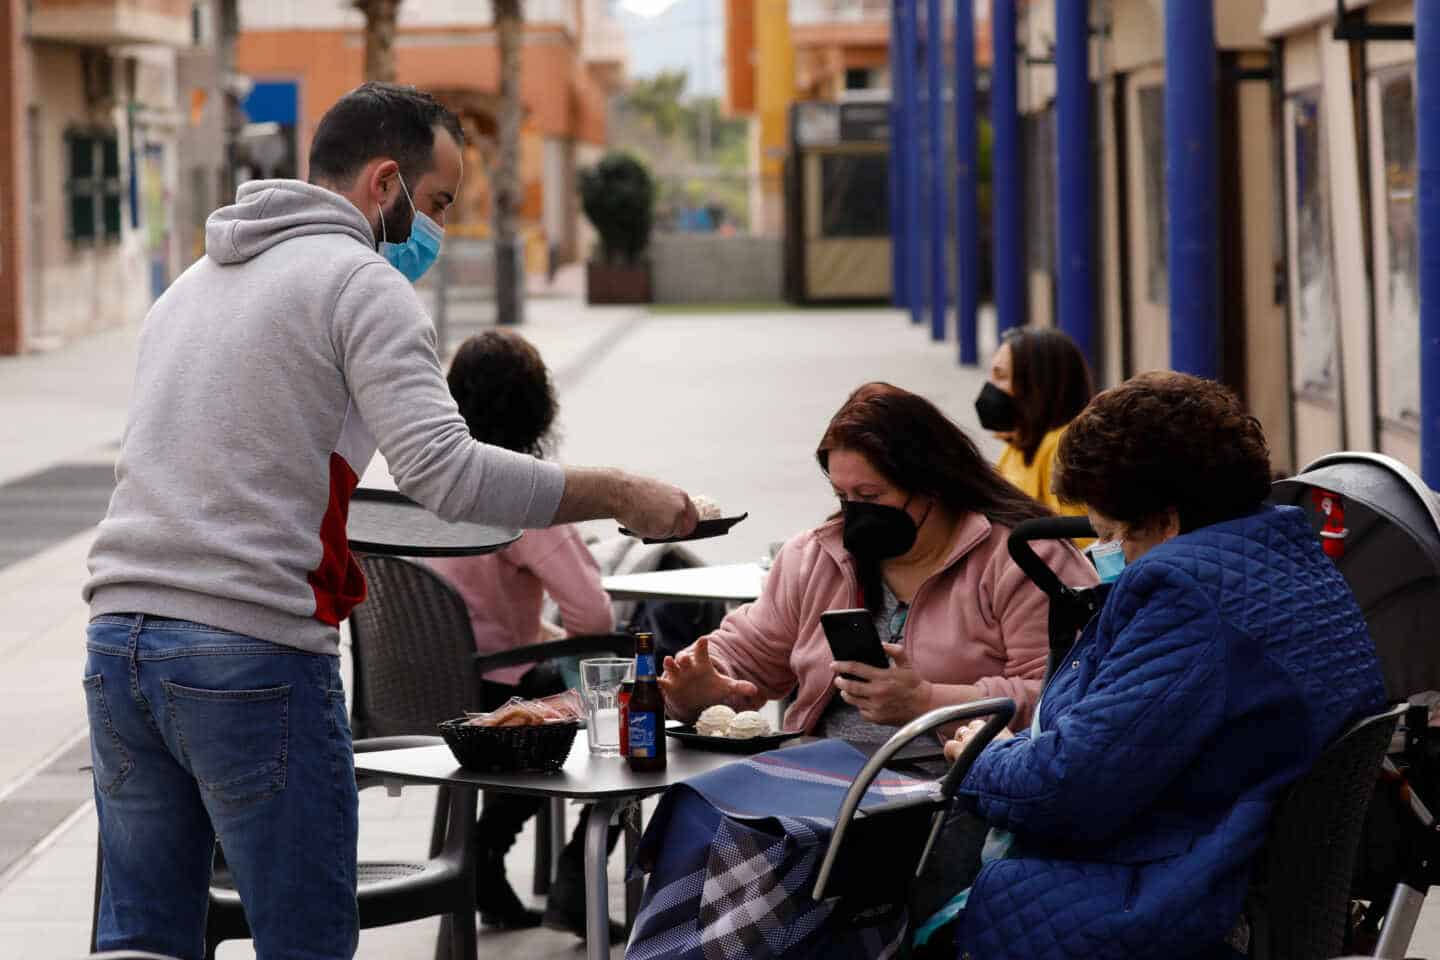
[[155, 196], [1314, 314], [1396, 260]]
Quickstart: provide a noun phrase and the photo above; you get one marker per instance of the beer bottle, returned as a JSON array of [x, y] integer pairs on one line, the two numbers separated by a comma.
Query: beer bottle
[[646, 711]]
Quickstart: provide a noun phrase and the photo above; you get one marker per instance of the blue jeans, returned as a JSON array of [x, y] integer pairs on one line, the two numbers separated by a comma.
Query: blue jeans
[[197, 733]]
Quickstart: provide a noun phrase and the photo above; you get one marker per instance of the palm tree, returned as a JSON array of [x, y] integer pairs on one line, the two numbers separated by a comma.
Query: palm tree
[[379, 38], [505, 182]]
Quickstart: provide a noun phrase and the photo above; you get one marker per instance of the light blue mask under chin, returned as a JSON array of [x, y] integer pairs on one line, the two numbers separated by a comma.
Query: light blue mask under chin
[[417, 254], [1109, 559]]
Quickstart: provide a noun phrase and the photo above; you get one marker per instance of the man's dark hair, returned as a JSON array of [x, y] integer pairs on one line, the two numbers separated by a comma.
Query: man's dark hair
[[379, 120]]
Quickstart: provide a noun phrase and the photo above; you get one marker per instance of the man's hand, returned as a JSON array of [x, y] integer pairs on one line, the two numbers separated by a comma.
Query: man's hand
[[649, 508], [895, 695], [965, 734], [691, 683], [655, 509]]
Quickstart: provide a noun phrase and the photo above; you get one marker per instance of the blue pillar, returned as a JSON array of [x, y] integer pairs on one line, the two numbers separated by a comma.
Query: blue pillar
[[967, 213], [898, 138], [1075, 238], [1007, 213], [908, 87], [937, 203], [1427, 102], [1191, 182]]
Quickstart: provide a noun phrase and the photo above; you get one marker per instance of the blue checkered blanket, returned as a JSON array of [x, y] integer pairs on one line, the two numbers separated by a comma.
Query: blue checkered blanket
[[732, 855]]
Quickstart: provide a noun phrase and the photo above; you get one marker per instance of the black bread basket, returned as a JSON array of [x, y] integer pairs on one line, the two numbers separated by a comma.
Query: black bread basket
[[534, 748]]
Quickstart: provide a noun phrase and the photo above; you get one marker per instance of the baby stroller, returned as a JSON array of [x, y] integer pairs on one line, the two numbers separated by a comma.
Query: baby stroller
[[1381, 526]]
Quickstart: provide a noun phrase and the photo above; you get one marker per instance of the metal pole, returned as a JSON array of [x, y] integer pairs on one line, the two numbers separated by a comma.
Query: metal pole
[[899, 228], [1005, 168], [1427, 102], [967, 218], [914, 224], [1191, 181], [1075, 238], [936, 205]]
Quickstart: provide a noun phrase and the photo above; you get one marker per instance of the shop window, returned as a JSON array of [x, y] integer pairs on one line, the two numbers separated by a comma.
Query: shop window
[[855, 195], [1313, 307], [1399, 327], [1157, 210], [93, 186]]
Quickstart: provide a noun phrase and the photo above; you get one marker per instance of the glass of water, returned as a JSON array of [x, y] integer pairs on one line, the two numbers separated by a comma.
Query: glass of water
[[600, 681]]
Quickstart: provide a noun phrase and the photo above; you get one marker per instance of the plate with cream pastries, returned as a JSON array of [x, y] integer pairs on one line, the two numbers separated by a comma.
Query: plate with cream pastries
[[721, 729]]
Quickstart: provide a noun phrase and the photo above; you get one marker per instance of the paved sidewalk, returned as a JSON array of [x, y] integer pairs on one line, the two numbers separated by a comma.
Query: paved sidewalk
[[727, 404]]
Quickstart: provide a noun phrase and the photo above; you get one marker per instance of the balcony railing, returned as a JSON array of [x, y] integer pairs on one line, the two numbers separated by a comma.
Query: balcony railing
[[817, 12], [106, 22], [342, 15]]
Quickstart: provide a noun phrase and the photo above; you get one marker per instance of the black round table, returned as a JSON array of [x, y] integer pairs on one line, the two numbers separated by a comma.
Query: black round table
[[389, 523]]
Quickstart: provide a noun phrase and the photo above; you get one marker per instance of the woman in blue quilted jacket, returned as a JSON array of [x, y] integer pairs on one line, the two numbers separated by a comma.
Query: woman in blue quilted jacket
[[1228, 654]]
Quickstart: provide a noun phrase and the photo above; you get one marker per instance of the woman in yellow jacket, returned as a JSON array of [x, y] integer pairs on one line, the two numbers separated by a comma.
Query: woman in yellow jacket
[[1039, 381]]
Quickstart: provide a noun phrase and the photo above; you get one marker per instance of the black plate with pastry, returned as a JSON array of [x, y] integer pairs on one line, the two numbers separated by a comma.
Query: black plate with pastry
[[704, 530], [686, 734]]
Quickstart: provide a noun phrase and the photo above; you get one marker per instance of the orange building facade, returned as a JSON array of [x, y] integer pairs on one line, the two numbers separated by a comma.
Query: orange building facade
[[573, 58]]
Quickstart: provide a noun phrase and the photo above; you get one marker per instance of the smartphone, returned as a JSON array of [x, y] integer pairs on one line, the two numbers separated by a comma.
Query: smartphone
[[852, 636]]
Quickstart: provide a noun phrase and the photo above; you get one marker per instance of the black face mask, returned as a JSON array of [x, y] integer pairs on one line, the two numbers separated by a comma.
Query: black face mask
[[996, 409], [874, 532]]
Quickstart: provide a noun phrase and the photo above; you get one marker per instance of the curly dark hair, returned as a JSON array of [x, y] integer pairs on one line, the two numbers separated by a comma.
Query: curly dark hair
[[1163, 441], [1050, 381], [504, 392]]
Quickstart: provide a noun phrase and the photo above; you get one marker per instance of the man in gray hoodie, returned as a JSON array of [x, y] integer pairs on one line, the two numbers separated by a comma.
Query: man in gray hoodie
[[268, 374]]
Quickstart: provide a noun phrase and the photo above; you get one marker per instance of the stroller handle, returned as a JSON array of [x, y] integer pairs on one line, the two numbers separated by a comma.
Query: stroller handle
[[1045, 528]]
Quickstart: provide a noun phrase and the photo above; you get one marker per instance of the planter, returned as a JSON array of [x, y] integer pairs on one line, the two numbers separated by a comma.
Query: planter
[[614, 283]]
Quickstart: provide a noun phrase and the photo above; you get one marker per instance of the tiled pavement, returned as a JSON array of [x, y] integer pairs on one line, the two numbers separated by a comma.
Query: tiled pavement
[[730, 405]]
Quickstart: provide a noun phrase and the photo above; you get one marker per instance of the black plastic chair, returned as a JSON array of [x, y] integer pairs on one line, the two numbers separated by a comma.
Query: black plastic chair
[[1299, 898], [389, 892], [392, 891], [415, 665]]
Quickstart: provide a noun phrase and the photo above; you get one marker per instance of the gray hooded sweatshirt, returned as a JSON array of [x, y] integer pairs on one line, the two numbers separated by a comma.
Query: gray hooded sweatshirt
[[268, 373]]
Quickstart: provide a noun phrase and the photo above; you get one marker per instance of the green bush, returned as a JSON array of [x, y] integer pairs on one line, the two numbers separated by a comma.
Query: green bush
[[618, 196]]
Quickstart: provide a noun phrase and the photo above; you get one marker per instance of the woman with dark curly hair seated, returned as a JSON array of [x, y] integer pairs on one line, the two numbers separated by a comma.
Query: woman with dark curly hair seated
[[1227, 655]]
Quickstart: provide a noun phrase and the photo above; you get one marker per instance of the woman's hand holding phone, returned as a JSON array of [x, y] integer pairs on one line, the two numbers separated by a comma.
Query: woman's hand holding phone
[[894, 695]]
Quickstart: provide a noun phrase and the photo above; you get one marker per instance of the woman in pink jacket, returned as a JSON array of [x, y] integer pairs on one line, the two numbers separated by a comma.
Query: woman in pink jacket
[[505, 395], [920, 543]]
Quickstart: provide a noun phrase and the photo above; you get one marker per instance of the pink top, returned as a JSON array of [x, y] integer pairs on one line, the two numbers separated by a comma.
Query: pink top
[[979, 620], [504, 591]]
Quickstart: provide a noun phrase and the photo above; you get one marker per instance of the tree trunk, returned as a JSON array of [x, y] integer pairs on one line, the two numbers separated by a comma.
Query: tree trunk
[[505, 184], [379, 38]]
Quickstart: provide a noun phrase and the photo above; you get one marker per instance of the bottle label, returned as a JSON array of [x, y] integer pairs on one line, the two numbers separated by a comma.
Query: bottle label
[[644, 665], [642, 734]]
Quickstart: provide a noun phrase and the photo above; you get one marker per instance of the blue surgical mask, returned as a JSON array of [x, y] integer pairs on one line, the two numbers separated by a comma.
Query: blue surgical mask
[[1109, 559], [419, 253]]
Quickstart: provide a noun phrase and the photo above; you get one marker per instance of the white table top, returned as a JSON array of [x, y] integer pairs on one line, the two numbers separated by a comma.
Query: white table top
[[732, 583]]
